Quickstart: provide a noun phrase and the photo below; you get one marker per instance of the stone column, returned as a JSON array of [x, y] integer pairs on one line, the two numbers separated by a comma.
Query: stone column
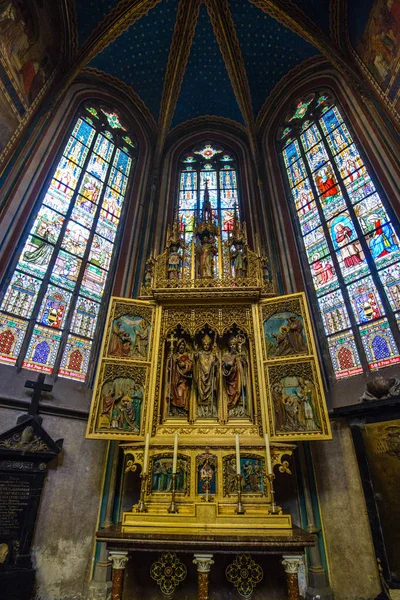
[[203, 562], [114, 458], [291, 564], [318, 584], [118, 561]]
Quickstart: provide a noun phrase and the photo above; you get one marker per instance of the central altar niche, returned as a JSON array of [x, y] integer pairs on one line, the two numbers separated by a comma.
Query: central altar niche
[[195, 373], [207, 375]]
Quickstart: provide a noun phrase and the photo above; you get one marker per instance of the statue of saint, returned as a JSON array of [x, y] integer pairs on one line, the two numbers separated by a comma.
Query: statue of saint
[[206, 251], [174, 263], [180, 376], [265, 269], [235, 374], [206, 365], [238, 260]]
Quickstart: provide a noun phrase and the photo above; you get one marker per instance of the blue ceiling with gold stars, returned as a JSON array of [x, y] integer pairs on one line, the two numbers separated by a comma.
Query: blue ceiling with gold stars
[[206, 89], [269, 49], [89, 13], [139, 56]]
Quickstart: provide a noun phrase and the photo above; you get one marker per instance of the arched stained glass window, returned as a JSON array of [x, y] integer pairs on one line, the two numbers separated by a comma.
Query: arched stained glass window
[[208, 166], [50, 308], [349, 245]]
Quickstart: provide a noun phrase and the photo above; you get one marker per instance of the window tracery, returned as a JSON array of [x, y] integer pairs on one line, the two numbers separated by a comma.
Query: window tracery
[[350, 248], [50, 308]]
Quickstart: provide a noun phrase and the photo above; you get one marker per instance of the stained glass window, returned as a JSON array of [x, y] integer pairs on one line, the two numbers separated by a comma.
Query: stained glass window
[[208, 164], [348, 236], [49, 310]]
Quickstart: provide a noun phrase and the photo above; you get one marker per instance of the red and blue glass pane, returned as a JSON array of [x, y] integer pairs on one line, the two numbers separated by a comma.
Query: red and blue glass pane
[[379, 344], [316, 245], [348, 161], [186, 220], [344, 355], [107, 226], [370, 213], [228, 198], [317, 157], [302, 194], [210, 177], [12, 333], [308, 218], [383, 244], [75, 358], [42, 349], [113, 120], [112, 203]]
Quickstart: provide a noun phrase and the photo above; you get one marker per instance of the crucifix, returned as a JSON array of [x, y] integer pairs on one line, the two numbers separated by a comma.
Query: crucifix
[[38, 387]]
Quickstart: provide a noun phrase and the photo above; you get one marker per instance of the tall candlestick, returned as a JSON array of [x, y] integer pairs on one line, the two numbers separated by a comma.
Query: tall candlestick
[[174, 463], [146, 454], [237, 455], [269, 461]]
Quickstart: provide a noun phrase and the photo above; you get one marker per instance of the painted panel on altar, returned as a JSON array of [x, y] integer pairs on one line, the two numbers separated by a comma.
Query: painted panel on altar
[[252, 470], [129, 330], [296, 404], [161, 474], [118, 406], [286, 328]]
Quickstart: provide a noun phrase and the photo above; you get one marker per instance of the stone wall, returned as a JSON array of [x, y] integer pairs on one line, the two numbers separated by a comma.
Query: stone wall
[[63, 543], [348, 540]]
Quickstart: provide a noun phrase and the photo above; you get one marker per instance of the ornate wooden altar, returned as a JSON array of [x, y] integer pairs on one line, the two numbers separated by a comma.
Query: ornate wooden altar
[[207, 363]]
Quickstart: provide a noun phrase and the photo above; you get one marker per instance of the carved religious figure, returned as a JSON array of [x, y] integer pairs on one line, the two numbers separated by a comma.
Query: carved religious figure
[[238, 260], [206, 368], [180, 377], [235, 375], [206, 250], [174, 263]]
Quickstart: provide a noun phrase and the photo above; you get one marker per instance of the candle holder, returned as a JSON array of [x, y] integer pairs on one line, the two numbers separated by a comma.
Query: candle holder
[[274, 510], [141, 507], [239, 510], [173, 507]]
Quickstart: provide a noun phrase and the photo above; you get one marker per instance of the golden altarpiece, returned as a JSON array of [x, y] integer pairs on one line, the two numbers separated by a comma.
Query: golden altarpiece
[[211, 353]]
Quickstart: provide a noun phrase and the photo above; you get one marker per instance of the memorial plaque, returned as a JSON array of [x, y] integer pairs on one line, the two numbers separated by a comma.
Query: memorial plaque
[[25, 451]]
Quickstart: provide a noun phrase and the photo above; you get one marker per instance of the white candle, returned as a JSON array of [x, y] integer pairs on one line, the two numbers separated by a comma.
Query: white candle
[[269, 462], [146, 455], [175, 453], [237, 455]]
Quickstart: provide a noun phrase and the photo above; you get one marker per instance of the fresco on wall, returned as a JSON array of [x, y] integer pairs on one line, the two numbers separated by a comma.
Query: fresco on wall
[[380, 45], [29, 51]]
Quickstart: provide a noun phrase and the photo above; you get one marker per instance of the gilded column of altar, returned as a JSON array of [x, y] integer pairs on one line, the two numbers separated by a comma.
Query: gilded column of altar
[[203, 562], [119, 561], [291, 564]]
